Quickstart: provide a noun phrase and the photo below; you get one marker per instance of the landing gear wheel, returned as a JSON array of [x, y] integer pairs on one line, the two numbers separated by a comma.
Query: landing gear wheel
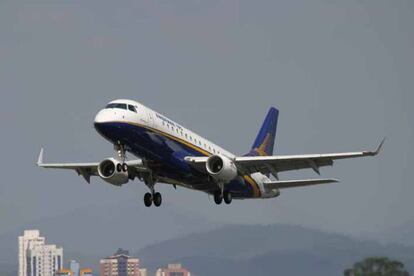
[[125, 167], [119, 167], [227, 197], [157, 199], [218, 199], [148, 199]]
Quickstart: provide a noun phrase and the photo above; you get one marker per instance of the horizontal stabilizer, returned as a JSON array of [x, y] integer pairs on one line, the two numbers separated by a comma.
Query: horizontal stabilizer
[[298, 183]]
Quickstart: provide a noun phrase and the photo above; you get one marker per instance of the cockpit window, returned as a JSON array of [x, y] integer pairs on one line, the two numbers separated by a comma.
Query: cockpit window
[[132, 108], [117, 105]]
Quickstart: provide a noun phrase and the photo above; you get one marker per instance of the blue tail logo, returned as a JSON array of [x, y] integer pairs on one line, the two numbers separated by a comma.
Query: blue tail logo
[[265, 140]]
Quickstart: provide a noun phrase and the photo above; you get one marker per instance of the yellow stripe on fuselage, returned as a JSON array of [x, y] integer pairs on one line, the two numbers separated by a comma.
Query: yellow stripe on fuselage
[[253, 183]]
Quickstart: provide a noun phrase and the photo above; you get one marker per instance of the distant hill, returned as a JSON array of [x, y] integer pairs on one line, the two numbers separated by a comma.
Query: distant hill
[[400, 234], [268, 250]]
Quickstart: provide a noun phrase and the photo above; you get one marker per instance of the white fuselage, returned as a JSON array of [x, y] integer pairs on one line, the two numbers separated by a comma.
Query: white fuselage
[[153, 120]]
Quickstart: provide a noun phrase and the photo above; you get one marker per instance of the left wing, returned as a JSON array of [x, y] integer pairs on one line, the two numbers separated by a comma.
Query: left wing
[[86, 170], [281, 163]]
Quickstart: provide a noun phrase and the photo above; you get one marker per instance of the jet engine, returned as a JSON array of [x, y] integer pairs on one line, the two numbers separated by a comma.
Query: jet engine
[[112, 171], [221, 168]]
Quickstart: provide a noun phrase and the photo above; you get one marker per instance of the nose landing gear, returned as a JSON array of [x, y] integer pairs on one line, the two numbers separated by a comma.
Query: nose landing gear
[[120, 149]]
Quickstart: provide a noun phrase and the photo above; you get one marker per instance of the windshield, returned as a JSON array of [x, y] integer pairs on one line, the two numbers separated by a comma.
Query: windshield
[[117, 105], [132, 108]]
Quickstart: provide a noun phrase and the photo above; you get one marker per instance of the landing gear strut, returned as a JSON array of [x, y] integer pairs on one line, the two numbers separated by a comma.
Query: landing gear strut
[[120, 149]]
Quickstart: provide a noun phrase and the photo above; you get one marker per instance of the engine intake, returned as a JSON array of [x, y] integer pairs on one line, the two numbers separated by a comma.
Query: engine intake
[[111, 170], [221, 168]]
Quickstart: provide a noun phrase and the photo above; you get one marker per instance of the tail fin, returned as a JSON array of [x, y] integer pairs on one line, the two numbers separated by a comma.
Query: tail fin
[[265, 140]]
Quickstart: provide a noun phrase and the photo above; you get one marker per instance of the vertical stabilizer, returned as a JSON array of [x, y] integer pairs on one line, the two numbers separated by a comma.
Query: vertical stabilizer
[[265, 140]]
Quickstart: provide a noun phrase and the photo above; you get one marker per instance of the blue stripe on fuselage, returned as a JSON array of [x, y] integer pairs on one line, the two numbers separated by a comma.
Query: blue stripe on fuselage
[[165, 154]]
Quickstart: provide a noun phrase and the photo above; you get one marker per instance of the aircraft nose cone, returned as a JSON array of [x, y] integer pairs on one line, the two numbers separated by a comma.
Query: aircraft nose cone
[[102, 122], [103, 116]]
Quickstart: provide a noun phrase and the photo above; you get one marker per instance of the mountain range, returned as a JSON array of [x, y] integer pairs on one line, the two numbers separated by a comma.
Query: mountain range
[[269, 250]]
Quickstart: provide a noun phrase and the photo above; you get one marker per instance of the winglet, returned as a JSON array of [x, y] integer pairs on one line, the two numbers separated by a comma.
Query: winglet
[[40, 159], [377, 150], [379, 147]]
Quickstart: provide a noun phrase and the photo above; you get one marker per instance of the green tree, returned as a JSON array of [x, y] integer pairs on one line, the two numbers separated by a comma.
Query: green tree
[[377, 266]]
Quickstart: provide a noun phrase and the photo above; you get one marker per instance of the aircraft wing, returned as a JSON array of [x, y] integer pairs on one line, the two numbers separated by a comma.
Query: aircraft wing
[[281, 163], [297, 183], [86, 170]]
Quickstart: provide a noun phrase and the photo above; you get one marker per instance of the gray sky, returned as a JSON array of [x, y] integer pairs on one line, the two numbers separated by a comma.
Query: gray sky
[[341, 73]]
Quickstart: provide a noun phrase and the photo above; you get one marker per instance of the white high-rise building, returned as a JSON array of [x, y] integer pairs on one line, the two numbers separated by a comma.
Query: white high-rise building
[[29, 240], [44, 260], [37, 258]]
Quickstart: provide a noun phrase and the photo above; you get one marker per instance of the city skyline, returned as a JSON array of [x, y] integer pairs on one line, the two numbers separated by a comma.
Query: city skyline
[[33, 246]]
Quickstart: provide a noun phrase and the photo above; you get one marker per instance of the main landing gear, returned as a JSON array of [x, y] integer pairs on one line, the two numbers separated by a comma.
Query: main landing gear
[[149, 198], [220, 196], [152, 197]]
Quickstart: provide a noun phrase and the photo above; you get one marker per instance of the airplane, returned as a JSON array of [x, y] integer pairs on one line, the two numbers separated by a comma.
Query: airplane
[[166, 152]]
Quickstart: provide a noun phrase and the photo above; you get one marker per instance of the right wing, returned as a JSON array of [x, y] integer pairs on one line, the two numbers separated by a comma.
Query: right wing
[[297, 183], [281, 163], [86, 170]]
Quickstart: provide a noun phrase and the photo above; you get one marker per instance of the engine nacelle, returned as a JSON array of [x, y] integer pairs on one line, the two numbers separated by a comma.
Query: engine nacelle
[[221, 168], [112, 172]]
